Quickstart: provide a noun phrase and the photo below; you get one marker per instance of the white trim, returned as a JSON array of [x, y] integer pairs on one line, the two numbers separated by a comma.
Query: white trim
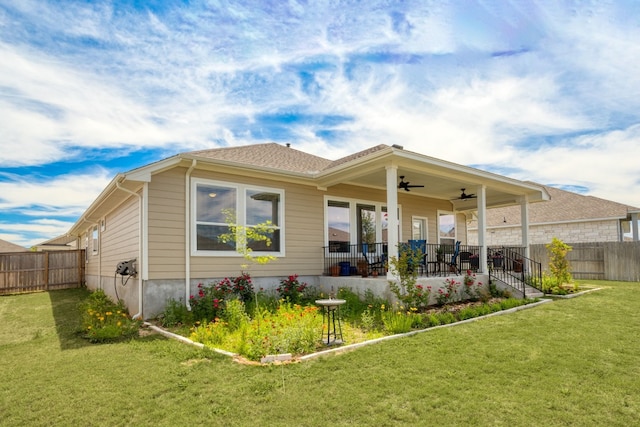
[[240, 209]]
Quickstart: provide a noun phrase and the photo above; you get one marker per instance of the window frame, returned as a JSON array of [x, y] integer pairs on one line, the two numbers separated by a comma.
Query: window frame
[[354, 223], [241, 216]]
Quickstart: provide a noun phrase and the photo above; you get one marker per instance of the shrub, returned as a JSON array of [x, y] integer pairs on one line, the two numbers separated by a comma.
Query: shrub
[[235, 315], [212, 333], [397, 322], [291, 289], [176, 313], [105, 321], [558, 263], [470, 286], [446, 317], [449, 293], [467, 313]]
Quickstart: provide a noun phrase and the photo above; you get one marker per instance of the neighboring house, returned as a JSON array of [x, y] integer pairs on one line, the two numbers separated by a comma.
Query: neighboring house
[[60, 243], [166, 217], [571, 217], [10, 247]]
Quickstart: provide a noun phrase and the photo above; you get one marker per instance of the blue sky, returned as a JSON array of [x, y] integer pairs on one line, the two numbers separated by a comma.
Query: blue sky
[[541, 91]]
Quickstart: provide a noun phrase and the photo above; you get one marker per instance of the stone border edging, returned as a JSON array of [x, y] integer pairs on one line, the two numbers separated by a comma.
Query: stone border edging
[[287, 356]]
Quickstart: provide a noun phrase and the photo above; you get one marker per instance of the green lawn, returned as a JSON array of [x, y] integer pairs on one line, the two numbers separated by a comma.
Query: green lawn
[[570, 362]]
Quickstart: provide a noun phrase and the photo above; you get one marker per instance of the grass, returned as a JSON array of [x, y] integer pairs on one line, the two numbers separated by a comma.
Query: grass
[[570, 362]]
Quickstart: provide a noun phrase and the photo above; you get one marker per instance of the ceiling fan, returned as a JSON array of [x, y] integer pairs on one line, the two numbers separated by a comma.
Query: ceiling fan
[[406, 185], [465, 196]]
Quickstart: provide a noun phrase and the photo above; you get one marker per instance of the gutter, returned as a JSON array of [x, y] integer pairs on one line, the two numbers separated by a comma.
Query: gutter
[[138, 315], [187, 234]]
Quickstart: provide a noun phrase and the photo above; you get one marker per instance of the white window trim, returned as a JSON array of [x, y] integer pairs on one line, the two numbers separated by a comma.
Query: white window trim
[[240, 208], [353, 218]]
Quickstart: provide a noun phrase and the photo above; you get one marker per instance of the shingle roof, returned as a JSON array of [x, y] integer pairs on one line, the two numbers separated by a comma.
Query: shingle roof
[[269, 155], [563, 206], [10, 247], [275, 156]]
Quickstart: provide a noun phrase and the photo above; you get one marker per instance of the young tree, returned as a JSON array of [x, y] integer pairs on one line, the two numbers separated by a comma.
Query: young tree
[[558, 263]]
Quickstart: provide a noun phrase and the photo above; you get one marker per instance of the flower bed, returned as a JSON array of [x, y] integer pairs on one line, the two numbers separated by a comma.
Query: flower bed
[[271, 324]]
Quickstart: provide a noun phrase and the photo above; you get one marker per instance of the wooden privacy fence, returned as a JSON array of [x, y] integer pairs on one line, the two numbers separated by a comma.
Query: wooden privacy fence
[[41, 271], [598, 261]]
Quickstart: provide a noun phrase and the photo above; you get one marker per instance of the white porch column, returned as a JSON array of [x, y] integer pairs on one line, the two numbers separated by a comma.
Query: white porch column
[[481, 191], [524, 220], [634, 226], [392, 213]]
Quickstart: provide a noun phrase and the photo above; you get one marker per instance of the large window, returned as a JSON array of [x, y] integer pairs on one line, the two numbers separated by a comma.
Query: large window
[[219, 205], [351, 223]]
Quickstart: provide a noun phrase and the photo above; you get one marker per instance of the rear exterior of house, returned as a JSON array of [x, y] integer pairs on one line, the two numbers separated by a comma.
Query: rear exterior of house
[[166, 218]]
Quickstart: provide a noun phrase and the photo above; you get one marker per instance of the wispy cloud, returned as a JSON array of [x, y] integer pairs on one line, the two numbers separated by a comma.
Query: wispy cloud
[[541, 91]]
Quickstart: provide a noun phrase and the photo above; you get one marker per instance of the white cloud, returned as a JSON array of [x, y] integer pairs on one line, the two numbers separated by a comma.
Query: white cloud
[[63, 194]]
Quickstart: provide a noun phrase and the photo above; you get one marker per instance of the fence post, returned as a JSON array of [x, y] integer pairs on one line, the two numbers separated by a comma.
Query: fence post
[[46, 270]]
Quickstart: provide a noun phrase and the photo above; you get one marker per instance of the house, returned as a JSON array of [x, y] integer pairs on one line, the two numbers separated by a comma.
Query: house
[[571, 217], [60, 243], [153, 233], [10, 247]]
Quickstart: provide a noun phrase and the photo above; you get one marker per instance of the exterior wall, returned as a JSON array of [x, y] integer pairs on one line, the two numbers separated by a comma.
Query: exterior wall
[[166, 226], [576, 232], [117, 242]]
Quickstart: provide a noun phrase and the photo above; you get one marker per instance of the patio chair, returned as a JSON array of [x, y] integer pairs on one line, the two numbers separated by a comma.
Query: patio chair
[[465, 261], [453, 265], [374, 261], [420, 246]]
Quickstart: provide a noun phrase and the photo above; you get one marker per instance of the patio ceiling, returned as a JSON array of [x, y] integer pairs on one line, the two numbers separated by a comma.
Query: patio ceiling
[[442, 180]]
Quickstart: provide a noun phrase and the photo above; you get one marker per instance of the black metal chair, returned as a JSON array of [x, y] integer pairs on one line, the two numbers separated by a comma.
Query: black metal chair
[[374, 261]]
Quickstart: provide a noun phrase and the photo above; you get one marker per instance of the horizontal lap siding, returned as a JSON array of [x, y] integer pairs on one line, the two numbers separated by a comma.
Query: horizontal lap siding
[[120, 239], [166, 232], [303, 231]]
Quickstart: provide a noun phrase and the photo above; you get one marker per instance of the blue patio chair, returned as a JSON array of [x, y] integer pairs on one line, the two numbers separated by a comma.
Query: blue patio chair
[[420, 247], [453, 265]]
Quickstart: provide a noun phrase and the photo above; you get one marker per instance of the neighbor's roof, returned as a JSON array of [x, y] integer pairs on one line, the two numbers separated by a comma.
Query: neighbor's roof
[[11, 247], [564, 206]]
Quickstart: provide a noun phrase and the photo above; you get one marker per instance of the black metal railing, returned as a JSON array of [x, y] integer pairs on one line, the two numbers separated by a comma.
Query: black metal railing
[[509, 265], [344, 259]]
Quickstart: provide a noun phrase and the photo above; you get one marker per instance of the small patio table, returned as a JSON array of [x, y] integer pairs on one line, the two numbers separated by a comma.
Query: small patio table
[[331, 307]]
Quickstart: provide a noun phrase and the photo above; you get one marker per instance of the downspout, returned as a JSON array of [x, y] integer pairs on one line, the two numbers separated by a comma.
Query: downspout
[[187, 234], [138, 315]]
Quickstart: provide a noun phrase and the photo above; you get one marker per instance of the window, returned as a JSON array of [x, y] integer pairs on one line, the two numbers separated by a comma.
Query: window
[[339, 226], [353, 223], [418, 228], [446, 228], [94, 240], [217, 205]]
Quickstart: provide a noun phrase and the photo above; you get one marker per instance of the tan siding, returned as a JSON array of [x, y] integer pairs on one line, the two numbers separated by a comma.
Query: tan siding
[[303, 226], [166, 211], [120, 240]]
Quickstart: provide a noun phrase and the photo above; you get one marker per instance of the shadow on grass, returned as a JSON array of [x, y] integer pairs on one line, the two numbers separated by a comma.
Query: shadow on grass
[[66, 315]]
